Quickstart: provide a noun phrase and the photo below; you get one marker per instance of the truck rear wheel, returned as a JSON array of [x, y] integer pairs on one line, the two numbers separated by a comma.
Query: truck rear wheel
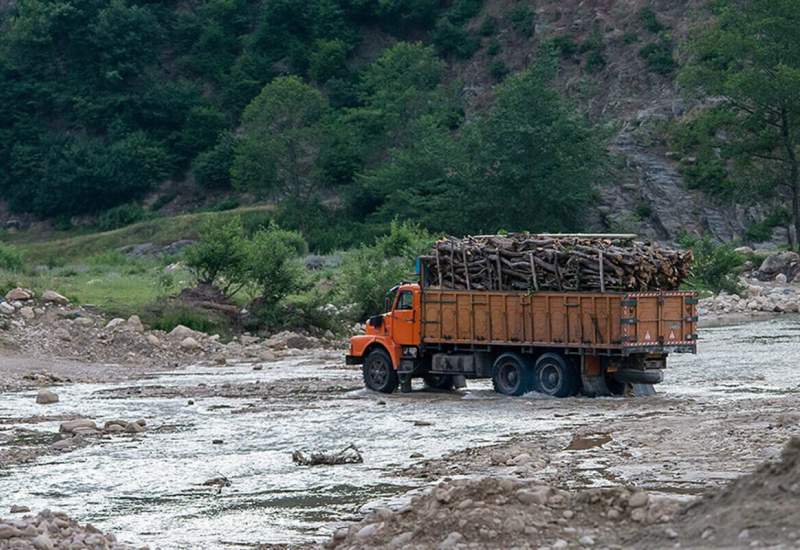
[[555, 376], [511, 374], [379, 374], [438, 381]]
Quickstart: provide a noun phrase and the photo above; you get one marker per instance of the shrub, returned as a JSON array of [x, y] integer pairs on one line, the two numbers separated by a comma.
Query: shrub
[[630, 37], [212, 168], [164, 200], [220, 256], [494, 48], [120, 216], [522, 18], [168, 317], [595, 61], [229, 203], [452, 39], [10, 258], [498, 70], [270, 263], [565, 45], [762, 231], [658, 57], [650, 20], [368, 272], [715, 266], [488, 26]]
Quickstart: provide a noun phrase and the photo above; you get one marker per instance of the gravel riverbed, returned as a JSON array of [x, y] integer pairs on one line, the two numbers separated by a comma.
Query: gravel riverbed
[[213, 467]]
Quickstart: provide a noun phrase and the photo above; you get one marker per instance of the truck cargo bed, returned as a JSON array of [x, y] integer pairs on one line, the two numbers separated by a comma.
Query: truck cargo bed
[[640, 322]]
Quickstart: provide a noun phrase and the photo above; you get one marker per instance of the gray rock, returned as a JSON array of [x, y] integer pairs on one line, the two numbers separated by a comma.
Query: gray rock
[[638, 500], [19, 294], [72, 425], [84, 321], [451, 541], [153, 340], [46, 397], [781, 278], [27, 313], [180, 332], [368, 531], [53, 297], [115, 322], [6, 308], [17, 509], [42, 542], [134, 428], [190, 344], [777, 263], [134, 324]]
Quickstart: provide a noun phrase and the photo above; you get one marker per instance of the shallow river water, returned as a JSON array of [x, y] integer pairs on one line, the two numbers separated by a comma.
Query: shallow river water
[[147, 489]]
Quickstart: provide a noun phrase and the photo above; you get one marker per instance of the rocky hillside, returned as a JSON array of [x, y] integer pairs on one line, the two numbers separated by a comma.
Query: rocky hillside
[[603, 71]]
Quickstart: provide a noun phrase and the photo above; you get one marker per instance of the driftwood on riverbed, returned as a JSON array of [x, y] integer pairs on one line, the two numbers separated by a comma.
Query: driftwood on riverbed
[[527, 262], [348, 455]]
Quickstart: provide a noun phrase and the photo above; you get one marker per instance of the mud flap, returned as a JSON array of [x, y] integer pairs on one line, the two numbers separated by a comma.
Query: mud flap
[[405, 382], [594, 386], [459, 381], [640, 390]]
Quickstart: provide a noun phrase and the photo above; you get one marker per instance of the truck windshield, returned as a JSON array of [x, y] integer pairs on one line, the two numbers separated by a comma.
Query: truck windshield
[[390, 296]]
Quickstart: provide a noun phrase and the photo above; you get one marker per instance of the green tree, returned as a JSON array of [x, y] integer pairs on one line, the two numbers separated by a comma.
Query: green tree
[[280, 140], [271, 265], [749, 58], [221, 255], [212, 168]]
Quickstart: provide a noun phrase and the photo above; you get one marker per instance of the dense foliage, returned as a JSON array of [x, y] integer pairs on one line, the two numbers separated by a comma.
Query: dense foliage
[[102, 102]]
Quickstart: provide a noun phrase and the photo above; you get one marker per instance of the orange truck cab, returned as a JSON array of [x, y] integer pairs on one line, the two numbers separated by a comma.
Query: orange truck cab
[[556, 343]]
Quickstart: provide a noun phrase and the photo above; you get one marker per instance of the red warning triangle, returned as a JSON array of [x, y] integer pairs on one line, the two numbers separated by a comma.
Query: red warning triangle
[[672, 335]]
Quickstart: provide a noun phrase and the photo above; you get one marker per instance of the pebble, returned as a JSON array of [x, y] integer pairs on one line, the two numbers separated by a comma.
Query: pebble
[[451, 541], [586, 540], [217, 441], [638, 500], [17, 509]]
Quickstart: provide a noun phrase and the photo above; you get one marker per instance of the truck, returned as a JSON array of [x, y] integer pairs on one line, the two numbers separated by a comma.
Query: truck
[[556, 343]]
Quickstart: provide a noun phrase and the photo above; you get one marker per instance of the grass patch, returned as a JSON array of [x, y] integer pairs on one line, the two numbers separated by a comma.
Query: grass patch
[[58, 249]]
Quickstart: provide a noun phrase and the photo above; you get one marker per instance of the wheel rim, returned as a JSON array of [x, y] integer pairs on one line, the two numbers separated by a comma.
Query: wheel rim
[[378, 373], [508, 377], [549, 378]]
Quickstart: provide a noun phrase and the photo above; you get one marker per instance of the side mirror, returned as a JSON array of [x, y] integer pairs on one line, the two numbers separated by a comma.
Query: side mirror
[[375, 321]]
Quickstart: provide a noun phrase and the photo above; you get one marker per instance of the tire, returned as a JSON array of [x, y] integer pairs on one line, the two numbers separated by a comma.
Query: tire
[[511, 375], [379, 374], [442, 382], [555, 376]]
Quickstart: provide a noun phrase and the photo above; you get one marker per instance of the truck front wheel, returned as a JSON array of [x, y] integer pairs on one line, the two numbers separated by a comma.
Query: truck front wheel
[[511, 374], [555, 376], [379, 374]]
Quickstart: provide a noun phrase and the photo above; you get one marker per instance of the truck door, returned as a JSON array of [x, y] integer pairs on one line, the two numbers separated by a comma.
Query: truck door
[[405, 318]]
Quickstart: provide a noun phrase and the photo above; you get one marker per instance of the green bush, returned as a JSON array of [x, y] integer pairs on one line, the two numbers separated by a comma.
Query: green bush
[[10, 258], [368, 272], [595, 61], [229, 203], [271, 265], [715, 267], [212, 168], [120, 216], [488, 26], [650, 21], [220, 257], [658, 57], [522, 18], [565, 45], [498, 70], [630, 37], [453, 39], [493, 48], [762, 231]]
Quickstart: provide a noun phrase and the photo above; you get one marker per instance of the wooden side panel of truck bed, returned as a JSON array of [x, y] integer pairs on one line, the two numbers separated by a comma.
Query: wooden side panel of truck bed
[[561, 319]]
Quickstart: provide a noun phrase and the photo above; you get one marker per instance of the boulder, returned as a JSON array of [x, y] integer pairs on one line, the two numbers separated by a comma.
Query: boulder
[[153, 340], [181, 332], [6, 308], [290, 340], [17, 509], [84, 321], [134, 428], [190, 344], [134, 324], [53, 297], [115, 322], [63, 334], [46, 397], [27, 313], [777, 263], [72, 425], [20, 294], [781, 278]]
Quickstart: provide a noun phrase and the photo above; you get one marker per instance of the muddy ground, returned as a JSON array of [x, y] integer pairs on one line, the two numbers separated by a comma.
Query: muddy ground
[[441, 470]]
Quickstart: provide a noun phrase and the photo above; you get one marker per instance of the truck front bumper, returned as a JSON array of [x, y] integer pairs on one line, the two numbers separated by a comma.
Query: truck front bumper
[[353, 360]]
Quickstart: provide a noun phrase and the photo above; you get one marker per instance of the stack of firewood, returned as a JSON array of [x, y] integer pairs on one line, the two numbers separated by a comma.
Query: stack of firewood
[[522, 261]]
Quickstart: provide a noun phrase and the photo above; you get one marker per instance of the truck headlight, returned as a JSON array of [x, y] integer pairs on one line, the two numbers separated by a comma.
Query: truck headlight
[[410, 351]]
